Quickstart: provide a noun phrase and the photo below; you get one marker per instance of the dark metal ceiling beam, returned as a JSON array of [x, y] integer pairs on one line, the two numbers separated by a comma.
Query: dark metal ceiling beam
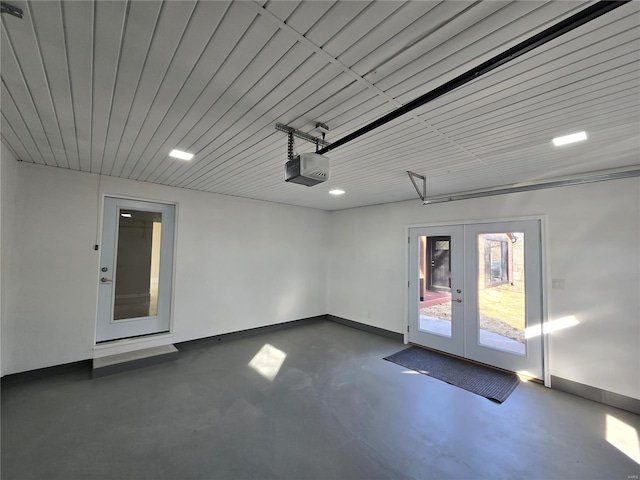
[[10, 9], [584, 16]]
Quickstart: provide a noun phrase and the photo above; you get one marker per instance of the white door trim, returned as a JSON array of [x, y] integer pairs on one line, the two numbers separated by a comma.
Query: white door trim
[[118, 343]]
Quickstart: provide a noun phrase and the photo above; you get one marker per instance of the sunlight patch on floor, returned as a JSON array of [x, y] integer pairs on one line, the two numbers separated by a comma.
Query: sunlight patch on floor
[[624, 437], [267, 361], [524, 377]]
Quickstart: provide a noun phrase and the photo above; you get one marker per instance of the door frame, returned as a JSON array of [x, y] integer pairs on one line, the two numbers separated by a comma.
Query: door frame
[[544, 287], [110, 347]]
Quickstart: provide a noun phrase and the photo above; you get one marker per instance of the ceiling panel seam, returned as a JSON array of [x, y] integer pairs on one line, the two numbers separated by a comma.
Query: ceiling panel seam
[[68, 68], [219, 111], [474, 51], [8, 143], [56, 93], [47, 81], [232, 111], [30, 96], [176, 96], [315, 75], [514, 118], [27, 129], [92, 75], [125, 19], [574, 37], [572, 89], [137, 88], [222, 106], [473, 98], [301, 38], [155, 94]]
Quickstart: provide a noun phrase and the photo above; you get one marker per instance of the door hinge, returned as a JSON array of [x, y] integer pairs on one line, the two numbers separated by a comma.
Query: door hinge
[[408, 239], [408, 284], [407, 328]]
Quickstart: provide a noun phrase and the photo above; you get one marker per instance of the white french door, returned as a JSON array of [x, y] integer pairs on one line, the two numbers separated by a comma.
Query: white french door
[[433, 249], [136, 264], [475, 292]]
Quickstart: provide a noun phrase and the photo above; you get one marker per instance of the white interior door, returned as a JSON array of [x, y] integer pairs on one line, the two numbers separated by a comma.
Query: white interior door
[[136, 263], [491, 309]]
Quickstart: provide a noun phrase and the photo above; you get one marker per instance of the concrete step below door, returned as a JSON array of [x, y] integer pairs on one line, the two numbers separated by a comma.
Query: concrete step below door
[[123, 362]]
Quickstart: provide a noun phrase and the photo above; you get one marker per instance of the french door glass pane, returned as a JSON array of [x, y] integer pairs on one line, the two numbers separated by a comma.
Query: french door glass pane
[[137, 264], [435, 285], [501, 291]]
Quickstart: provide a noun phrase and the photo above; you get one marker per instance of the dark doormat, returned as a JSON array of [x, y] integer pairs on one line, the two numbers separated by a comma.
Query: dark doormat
[[487, 382]]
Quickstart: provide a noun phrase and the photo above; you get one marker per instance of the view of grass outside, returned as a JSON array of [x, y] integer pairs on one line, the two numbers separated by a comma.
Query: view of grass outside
[[502, 310], [501, 307]]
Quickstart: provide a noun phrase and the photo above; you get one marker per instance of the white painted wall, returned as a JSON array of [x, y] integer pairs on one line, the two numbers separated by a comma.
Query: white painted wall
[[8, 174], [243, 264], [593, 242], [239, 264]]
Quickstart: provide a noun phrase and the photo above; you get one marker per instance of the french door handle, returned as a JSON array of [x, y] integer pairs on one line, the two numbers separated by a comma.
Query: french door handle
[[105, 280], [457, 300]]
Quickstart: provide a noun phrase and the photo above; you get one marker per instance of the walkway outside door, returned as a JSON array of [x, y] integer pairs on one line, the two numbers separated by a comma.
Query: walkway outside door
[[136, 263], [494, 312]]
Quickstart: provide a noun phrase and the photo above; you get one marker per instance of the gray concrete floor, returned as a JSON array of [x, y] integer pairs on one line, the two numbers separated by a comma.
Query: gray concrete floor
[[333, 410]]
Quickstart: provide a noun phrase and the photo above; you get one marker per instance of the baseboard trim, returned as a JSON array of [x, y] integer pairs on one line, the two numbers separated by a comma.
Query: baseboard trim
[[225, 337], [367, 328], [596, 394], [82, 365]]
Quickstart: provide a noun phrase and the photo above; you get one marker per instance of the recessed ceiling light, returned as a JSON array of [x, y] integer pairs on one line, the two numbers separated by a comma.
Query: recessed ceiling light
[[574, 137], [125, 215], [336, 192], [181, 155]]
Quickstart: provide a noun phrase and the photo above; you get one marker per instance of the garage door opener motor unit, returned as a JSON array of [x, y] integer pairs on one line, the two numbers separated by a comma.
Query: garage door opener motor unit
[[307, 169]]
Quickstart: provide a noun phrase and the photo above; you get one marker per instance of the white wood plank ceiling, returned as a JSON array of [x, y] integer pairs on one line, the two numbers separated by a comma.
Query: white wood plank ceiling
[[111, 87]]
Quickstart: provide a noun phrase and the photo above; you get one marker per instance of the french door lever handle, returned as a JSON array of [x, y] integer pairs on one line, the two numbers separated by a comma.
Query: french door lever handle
[[457, 300], [105, 280]]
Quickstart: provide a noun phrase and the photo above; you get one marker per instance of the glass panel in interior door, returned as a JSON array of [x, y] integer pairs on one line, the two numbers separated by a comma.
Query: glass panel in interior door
[[137, 264]]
